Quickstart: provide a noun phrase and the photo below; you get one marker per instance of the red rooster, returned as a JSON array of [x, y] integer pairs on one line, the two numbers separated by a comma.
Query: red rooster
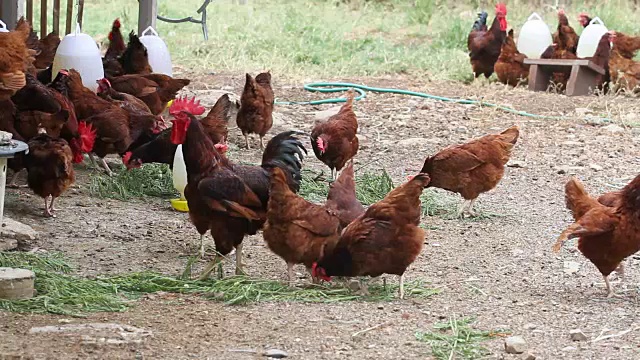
[[484, 45], [226, 199]]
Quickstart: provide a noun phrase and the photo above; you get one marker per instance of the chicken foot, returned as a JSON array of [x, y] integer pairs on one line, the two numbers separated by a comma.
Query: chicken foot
[[217, 261], [610, 292], [106, 167], [104, 164], [290, 274], [402, 286], [261, 143], [467, 208], [246, 141], [51, 207], [12, 182], [239, 270], [93, 160], [201, 249], [363, 288], [620, 271], [47, 209]]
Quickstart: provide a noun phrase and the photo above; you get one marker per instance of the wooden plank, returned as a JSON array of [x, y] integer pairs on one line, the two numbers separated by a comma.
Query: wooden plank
[[69, 17], [556, 64], [80, 12], [12, 10], [30, 12], [56, 17], [147, 15], [43, 18]]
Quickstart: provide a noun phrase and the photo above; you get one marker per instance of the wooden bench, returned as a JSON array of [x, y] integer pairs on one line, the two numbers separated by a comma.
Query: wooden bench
[[583, 77]]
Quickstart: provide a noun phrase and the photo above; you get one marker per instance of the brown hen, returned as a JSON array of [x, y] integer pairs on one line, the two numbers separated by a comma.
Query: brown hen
[[471, 168], [606, 234], [298, 231], [510, 67], [255, 115], [50, 167], [386, 239], [342, 200], [334, 141]]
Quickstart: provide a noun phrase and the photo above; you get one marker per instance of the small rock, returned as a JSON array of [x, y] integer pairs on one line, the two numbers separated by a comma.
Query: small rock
[[8, 244], [516, 164], [515, 345], [276, 354], [614, 129], [529, 356], [530, 326], [12, 229], [571, 267], [577, 335], [568, 348], [595, 167], [517, 252], [565, 169]]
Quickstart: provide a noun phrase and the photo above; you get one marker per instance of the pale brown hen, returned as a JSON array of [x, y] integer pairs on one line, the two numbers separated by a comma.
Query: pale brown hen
[[606, 234], [342, 200], [255, 115], [335, 140], [386, 239], [471, 168], [298, 231]]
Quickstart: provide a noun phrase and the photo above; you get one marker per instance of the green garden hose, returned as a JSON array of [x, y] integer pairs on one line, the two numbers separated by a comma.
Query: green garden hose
[[331, 87]]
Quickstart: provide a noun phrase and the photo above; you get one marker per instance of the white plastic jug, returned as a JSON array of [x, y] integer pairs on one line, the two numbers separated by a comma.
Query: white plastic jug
[[80, 52], [590, 37], [179, 172], [3, 27], [159, 57], [534, 37]]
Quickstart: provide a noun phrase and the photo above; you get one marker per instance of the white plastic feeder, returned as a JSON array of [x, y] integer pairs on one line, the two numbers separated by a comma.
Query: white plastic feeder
[[159, 56], [80, 52], [179, 180], [534, 37], [590, 37]]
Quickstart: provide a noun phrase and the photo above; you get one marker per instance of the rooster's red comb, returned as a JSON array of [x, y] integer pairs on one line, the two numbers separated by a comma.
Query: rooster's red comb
[[501, 8], [192, 106], [126, 158], [87, 136], [116, 23]]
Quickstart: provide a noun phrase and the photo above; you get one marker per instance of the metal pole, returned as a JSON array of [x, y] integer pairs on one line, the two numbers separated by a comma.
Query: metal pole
[[3, 180], [147, 14], [12, 10]]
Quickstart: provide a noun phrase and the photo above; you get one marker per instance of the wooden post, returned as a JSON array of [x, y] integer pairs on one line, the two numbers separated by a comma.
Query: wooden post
[[70, 21], [80, 12], [43, 18], [12, 10], [147, 15], [30, 12], [56, 17]]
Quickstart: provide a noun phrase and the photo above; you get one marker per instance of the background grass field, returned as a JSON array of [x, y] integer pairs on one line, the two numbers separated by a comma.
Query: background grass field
[[320, 39]]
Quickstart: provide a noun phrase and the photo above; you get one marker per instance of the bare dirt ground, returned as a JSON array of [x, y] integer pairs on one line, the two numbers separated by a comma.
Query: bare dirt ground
[[499, 270]]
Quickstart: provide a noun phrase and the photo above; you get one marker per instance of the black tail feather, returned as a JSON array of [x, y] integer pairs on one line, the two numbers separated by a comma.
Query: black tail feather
[[286, 152]]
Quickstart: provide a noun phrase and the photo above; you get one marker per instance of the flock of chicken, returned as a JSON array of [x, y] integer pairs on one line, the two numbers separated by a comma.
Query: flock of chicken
[[494, 49], [63, 120]]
